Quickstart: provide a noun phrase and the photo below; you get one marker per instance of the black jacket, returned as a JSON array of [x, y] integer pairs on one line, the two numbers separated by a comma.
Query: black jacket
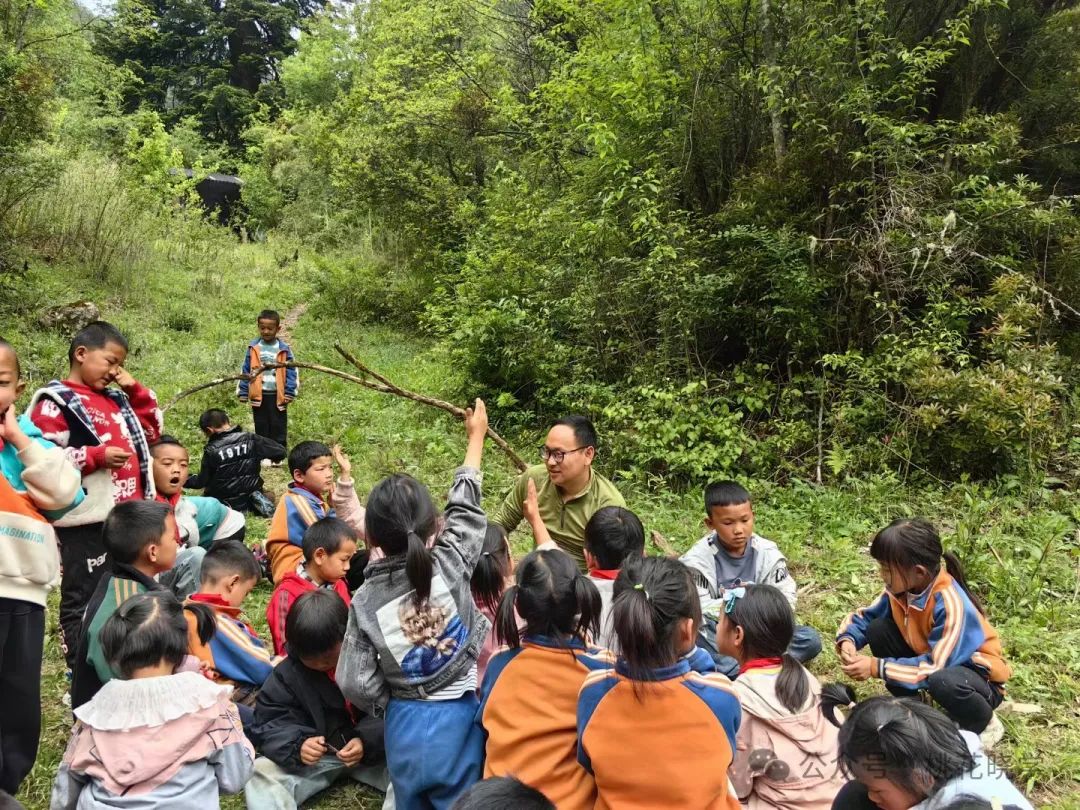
[[296, 703], [231, 468]]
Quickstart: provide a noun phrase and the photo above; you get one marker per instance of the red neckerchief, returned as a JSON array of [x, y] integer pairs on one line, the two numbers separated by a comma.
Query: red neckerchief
[[172, 501], [604, 573], [760, 663], [219, 604]]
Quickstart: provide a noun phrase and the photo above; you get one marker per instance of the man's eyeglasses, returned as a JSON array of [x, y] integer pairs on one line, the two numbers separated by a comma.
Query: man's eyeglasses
[[558, 455]]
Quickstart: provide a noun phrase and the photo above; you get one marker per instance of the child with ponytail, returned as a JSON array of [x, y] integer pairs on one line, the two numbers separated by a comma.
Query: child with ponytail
[[927, 631], [494, 571], [529, 698], [653, 732], [159, 734], [785, 751], [414, 631], [905, 755]]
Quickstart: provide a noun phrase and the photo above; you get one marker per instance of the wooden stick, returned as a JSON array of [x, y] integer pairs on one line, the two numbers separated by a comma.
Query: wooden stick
[[383, 386], [392, 388]]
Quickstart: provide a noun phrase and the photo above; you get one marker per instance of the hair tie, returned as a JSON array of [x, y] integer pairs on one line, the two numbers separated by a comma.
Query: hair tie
[[641, 587], [485, 554]]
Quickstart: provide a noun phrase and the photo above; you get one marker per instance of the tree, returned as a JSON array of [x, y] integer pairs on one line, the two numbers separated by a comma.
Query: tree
[[215, 61]]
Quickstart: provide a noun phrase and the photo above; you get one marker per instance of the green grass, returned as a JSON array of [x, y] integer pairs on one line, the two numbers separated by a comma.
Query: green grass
[[1020, 545]]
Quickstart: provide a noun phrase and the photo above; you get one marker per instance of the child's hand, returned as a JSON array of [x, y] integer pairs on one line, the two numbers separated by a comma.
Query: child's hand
[[312, 750], [343, 462], [123, 378], [531, 508], [116, 457], [476, 420], [352, 753], [860, 668], [847, 651], [10, 431]]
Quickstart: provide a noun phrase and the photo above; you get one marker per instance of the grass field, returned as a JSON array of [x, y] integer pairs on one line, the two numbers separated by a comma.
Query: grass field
[[187, 327]]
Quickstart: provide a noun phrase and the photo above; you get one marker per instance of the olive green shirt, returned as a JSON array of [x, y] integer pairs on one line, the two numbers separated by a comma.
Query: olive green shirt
[[565, 521]]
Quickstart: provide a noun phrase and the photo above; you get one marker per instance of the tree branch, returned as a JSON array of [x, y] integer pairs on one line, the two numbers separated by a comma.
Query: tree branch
[[381, 385]]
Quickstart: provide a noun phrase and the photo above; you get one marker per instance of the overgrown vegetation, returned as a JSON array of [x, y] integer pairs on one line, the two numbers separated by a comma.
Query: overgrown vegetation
[[831, 250]]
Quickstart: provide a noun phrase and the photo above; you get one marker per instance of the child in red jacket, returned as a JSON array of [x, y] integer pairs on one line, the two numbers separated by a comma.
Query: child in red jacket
[[329, 545], [106, 433]]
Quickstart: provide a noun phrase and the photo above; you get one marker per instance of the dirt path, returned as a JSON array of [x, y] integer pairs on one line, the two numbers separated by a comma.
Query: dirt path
[[291, 318]]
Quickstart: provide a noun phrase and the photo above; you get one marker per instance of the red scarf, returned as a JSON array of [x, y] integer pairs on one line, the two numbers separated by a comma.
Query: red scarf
[[604, 573], [172, 501], [218, 603], [760, 663]]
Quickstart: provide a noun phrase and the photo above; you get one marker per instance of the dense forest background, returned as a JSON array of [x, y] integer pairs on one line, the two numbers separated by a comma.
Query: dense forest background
[[829, 248]]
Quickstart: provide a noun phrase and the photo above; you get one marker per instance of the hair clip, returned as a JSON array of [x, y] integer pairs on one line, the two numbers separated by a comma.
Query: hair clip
[[485, 554], [732, 595]]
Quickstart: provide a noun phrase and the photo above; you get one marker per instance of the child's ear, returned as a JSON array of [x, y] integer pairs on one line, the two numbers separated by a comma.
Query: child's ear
[[297, 477], [738, 636], [80, 354], [319, 556], [922, 572], [708, 523], [20, 386], [687, 634], [151, 552]]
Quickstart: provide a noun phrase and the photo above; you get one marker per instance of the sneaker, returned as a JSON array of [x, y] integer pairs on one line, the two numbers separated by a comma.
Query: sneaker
[[266, 462], [993, 733]]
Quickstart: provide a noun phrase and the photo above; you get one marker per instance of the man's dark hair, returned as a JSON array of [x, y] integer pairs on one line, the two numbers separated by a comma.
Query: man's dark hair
[[316, 623], [131, 526], [96, 335], [327, 534], [725, 493], [228, 557], [163, 440], [214, 418], [502, 793], [303, 455], [269, 315], [583, 429], [614, 534]]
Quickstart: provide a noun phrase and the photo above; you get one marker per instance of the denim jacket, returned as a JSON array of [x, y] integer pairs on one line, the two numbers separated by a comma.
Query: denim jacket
[[394, 649]]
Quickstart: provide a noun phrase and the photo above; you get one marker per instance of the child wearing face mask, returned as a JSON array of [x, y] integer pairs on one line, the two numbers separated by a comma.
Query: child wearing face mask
[[927, 632]]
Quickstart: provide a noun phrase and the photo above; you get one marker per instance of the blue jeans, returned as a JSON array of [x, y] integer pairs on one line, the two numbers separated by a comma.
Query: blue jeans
[[183, 578], [805, 646], [434, 750]]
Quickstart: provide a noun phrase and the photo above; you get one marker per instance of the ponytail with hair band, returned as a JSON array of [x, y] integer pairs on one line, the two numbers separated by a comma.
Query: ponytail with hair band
[[589, 608], [506, 625], [418, 567]]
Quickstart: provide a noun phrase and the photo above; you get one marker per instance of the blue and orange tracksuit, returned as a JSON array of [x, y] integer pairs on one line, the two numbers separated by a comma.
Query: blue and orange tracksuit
[[941, 625], [235, 653], [287, 379], [665, 742], [528, 707]]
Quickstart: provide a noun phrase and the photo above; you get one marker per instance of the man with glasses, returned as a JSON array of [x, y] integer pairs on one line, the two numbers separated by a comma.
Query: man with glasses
[[568, 490]]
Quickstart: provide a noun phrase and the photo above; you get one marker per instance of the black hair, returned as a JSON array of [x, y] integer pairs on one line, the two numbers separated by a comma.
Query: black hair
[[328, 534], [303, 455], [96, 335], [725, 493], [131, 526], [4, 344], [400, 517], [492, 568], [502, 793], [911, 744], [768, 625], [213, 418], [269, 315], [163, 440], [316, 623], [583, 429], [227, 557], [907, 542], [614, 535], [651, 596], [552, 597], [146, 629]]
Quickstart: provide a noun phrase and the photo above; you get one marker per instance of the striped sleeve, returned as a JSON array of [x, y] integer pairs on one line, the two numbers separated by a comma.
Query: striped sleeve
[[854, 626], [956, 635], [238, 655], [597, 684]]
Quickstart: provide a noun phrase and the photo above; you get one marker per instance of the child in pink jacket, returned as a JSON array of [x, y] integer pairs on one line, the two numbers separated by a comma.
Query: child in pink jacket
[[786, 752]]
